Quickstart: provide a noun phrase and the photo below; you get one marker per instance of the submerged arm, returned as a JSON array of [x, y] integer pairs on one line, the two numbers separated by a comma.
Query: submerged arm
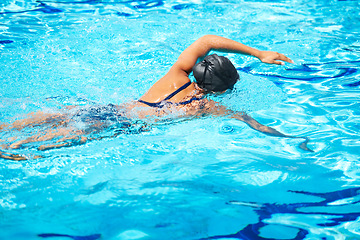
[[258, 126], [222, 111], [268, 130]]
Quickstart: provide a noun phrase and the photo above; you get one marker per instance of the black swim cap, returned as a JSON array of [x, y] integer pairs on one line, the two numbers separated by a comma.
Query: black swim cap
[[215, 73]]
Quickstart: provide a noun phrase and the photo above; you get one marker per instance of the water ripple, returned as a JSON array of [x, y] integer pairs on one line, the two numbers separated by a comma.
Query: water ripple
[[41, 7], [307, 72], [211, 171], [268, 212]]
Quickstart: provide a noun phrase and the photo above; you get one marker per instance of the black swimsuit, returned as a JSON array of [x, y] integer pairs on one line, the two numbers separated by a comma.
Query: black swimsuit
[[165, 101], [113, 120], [99, 113]]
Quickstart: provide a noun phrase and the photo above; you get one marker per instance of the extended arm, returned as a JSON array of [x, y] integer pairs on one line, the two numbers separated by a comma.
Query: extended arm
[[205, 44]]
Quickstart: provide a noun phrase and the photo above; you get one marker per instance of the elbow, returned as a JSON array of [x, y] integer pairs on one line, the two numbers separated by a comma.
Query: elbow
[[207, 43], [207, 38], [202, 40]]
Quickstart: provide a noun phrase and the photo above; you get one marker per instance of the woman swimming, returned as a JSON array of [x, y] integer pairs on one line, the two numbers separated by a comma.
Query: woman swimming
[[173, 94]]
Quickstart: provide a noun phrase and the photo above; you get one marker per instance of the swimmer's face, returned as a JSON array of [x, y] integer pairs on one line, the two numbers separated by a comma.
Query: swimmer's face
[[222, 93], [227, 91]]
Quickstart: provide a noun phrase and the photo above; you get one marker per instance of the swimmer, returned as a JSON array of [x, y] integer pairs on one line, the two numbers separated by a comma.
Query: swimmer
[[174, 93]]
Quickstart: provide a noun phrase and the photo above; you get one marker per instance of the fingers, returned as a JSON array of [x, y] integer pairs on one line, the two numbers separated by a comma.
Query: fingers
[[284, 58], [274, 58], [278, 63]]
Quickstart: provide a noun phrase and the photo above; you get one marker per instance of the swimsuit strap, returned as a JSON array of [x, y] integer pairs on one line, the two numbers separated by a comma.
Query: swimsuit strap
[[150, 104], [190, 100], [161, 103], [177, 91]]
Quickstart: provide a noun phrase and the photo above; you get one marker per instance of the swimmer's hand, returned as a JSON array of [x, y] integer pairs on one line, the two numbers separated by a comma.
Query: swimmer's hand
[[304, 146], [273, 57]]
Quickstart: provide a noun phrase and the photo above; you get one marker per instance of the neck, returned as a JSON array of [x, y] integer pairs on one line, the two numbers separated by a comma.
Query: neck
[[199, 89]]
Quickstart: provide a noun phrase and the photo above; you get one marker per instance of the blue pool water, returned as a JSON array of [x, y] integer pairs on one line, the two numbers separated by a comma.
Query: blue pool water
[[207, 178]]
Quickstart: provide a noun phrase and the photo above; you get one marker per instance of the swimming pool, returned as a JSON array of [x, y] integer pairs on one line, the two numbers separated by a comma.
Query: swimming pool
[[207, 178]]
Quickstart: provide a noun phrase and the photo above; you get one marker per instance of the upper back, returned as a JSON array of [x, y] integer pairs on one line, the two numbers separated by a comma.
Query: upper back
[[167, 85]]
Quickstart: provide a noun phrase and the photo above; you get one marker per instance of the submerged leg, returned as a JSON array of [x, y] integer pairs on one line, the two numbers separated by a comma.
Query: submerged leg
[[41, 137], [2, 126], [69, 138], [15, 157], [34, 119], [74, 140]]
